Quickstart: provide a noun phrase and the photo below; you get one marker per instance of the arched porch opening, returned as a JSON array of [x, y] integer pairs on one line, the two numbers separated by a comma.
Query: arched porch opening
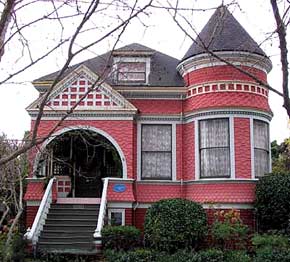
[[85, 157]]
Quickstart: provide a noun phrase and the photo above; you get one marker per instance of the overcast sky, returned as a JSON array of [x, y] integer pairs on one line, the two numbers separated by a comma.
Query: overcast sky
[[160, 33]]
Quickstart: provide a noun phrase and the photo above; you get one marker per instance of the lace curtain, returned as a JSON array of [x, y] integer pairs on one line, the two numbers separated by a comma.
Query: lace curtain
[[156, 151], [261, 148], [214, 148]]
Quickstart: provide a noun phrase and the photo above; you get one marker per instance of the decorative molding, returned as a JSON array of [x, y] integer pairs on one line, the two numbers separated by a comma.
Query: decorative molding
[[237, 58], [227, 86]]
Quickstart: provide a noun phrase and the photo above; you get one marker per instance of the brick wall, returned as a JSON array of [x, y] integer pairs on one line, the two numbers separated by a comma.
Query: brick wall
[[188, 152], [30, 215], [225, 72], [242, 147], [226, 100]]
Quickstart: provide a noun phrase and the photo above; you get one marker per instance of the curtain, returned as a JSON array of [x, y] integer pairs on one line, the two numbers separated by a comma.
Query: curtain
[[156, 151], [261, 148], [214, 148]]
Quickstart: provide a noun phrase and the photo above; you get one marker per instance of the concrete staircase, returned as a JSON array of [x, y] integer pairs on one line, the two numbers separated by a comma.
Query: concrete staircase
[[69, 228]]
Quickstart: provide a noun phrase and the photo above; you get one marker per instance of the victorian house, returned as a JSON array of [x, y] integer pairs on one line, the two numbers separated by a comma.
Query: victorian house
[[156, 127]]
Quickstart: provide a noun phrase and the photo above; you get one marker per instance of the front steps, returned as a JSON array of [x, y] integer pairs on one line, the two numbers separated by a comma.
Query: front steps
[[69, 228]]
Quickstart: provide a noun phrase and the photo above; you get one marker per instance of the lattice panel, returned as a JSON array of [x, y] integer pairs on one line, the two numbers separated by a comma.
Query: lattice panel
[[71, 95]]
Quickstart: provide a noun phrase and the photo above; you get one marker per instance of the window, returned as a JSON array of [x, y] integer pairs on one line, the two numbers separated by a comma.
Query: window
[[131, 72], [156, 152], [214, 148], [116, 217], [261, 148]]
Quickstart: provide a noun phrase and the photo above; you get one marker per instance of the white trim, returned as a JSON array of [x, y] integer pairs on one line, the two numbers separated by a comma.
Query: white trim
[[232, 147], [173, 148], [33, 203], [118, 205], [211, 206], [75, 116], [122, 211], [237, 58], [90, 128]]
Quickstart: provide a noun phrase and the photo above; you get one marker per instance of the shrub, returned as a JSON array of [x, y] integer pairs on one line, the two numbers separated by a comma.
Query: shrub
[[121, 237], [278, 242], [272, 202], [228, 230], [138, 255], [237, 256], [211, 255], [269, 255], [180, 256], [173, 224]]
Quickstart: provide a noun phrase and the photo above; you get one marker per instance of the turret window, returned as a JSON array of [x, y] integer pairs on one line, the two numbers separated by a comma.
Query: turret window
[[214, 148], [261, 148]]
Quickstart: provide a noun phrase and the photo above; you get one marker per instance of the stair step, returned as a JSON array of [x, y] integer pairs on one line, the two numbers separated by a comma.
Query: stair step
[[69, 228], [82, 215], [66, 239], [75, 206], [66, 245], [59, 221]]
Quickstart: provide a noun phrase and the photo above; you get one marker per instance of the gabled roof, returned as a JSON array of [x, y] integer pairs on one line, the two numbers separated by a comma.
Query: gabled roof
[[163, 67], [223, 33]]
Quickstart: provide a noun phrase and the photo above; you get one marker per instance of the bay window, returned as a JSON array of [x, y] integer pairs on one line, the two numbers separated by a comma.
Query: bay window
[[214, 148], [156, 152], [261, 147]]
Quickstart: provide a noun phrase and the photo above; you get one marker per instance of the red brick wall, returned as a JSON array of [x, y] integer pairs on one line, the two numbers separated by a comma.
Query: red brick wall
[[188, 152], [179, 151], [30, 215], [236, 192], [226, 100], [225, 72], [128, 217], [247, 216], [157, 106], [242, 147], [121, 131], [148, 193], [139, 218]]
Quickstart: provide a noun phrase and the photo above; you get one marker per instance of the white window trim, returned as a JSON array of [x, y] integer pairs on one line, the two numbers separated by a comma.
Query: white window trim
[[110, 211], [139, 149], [232, 146], [132, 59], [253, 146]]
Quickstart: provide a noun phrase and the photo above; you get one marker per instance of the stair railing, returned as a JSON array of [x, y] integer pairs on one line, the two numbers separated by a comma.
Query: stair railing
[[102, 211], [37, 226]]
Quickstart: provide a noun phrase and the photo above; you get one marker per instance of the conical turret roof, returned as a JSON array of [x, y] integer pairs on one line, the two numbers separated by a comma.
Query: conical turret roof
[[223, 33]]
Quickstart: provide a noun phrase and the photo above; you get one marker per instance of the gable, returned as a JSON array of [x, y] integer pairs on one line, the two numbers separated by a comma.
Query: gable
[[79, 85]]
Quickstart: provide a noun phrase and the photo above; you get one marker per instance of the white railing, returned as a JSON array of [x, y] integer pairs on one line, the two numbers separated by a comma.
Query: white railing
[[102, 211], [37, 226]]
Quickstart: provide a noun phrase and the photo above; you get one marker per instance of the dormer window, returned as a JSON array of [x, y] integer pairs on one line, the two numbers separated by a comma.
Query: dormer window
[[132, 72]]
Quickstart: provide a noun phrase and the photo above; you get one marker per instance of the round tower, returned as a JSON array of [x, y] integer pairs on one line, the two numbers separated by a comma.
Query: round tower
[[226, 111]]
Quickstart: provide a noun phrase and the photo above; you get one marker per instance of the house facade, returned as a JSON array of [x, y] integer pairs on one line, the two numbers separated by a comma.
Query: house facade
[[147, 126]]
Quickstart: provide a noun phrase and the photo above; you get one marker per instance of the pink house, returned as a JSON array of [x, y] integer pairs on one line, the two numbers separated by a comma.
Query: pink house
[[154, 127]]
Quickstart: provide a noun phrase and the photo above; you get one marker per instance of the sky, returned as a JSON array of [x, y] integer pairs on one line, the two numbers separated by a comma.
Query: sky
[[155, 29]]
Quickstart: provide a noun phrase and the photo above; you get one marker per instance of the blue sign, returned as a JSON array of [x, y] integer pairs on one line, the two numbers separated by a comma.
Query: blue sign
[[119, 188]]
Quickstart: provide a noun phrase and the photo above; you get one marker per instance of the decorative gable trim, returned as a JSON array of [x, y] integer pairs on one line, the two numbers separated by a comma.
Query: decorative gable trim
[[115, 101]]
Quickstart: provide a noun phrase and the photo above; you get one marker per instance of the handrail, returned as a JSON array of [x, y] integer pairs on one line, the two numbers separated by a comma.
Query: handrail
[[102, 211], [33, 233]]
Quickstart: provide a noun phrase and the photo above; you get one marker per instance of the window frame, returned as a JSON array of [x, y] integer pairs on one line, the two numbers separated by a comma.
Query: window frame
[[229, 147], [122, 81], [110, 211], [268, 150], [171, 151]]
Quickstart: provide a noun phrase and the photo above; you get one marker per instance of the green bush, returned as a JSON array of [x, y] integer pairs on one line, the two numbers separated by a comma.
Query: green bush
[[270, 255], [138, 255], [278, 242], [237, 256], [180, 256], [228, 230], [173, 224], [121, 237], [272, 202], [211, 255]]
